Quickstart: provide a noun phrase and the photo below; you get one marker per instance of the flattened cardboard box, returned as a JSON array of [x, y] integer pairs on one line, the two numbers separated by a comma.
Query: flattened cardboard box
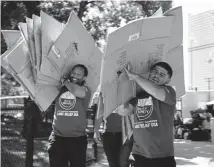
[[76, 46], [142, 43]]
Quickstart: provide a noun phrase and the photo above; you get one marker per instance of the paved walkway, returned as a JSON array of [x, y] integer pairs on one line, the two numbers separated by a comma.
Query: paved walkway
[[187, 154], [194, 154]]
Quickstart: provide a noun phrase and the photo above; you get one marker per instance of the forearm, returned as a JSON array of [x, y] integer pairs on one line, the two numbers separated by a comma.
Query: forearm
[[128, 112], [78, 91], [70, 87], [151, 88], [125, 110]]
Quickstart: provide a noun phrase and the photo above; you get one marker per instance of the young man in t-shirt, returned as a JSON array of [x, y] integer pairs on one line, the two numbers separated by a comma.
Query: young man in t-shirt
[[153, 110], [68, 140]]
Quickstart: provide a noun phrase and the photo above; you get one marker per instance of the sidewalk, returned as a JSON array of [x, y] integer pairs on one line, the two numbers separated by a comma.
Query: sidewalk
[[194, 154], [187, 154]]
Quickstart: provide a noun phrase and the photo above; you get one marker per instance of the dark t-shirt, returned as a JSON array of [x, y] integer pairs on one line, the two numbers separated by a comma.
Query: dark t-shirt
[[70, 114], [153, 124], [114, 123]]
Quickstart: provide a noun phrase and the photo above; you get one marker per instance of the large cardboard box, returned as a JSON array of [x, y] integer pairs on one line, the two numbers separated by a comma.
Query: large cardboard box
[[141, 43], [48, 50], [76, 46]]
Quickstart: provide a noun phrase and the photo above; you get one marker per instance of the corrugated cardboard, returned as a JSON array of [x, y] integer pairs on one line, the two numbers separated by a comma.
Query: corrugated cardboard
[[48, 50], [76, 46], [51, 29], [141, 43], [11, 37]]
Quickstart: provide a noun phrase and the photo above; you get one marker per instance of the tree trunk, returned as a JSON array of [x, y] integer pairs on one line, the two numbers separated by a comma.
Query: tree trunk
[[82, 8], [32, 8]]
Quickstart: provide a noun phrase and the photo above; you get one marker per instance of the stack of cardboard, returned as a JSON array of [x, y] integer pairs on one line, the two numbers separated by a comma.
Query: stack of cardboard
[[141, 43], [45, 50]]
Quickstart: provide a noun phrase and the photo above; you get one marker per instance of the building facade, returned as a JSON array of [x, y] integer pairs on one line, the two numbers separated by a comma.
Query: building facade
[[201, 51], [200, 88]]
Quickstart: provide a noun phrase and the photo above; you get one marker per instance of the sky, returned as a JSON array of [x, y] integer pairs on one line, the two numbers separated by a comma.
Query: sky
[[195, 6]]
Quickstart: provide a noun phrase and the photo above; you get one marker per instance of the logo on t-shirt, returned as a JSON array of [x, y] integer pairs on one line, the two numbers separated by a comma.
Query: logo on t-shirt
[[67, 100], [144, 108]]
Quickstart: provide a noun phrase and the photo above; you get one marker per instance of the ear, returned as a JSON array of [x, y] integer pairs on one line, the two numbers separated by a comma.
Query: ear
[[84, 80], [168, 80]]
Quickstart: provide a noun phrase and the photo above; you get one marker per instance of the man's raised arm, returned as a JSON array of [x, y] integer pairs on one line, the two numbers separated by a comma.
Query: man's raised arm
[[78, 91]]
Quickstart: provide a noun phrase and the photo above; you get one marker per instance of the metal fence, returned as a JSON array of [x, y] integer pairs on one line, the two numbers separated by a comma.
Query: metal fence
[[24, 135]]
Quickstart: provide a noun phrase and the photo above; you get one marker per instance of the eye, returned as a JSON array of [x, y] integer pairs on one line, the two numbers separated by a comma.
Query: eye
[[154, 71], [163, 75]]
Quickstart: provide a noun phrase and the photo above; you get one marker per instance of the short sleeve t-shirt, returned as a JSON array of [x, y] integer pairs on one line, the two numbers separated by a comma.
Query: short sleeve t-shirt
[[153, 124], [114, 123], [70, 114]]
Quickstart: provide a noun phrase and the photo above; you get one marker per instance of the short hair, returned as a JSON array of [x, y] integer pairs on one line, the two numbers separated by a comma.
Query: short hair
[[164, 65], [83, 67]]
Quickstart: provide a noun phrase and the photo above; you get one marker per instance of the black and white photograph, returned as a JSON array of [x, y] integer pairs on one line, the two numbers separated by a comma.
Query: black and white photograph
[[111, 83]]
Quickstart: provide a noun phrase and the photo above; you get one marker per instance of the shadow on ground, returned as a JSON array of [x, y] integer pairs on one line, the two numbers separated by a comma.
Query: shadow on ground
[[13, 147]]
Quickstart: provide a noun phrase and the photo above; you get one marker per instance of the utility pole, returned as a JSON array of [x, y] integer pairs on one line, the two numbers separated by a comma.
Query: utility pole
[[210, 62], [192, 41], [209, 88]]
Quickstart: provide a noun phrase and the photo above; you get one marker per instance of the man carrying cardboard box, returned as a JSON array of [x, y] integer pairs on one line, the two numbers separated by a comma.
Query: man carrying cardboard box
[[153, 110], [68, 140]]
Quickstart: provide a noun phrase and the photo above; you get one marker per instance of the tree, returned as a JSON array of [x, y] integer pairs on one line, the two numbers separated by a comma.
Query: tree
[[32, 7], [99, 16], [60, 10], [14, 12], [149, 7]]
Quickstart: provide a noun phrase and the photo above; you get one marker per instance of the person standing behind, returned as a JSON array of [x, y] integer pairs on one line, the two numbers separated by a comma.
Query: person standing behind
[[206, 123], [116, 151], [68, 140], [153, 110]]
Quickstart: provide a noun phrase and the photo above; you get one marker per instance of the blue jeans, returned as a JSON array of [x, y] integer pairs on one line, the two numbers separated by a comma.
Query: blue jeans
[[117, 154]]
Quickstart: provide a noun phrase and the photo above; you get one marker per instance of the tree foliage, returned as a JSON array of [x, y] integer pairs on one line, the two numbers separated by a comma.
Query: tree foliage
[[99, 18], [149, 7]]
